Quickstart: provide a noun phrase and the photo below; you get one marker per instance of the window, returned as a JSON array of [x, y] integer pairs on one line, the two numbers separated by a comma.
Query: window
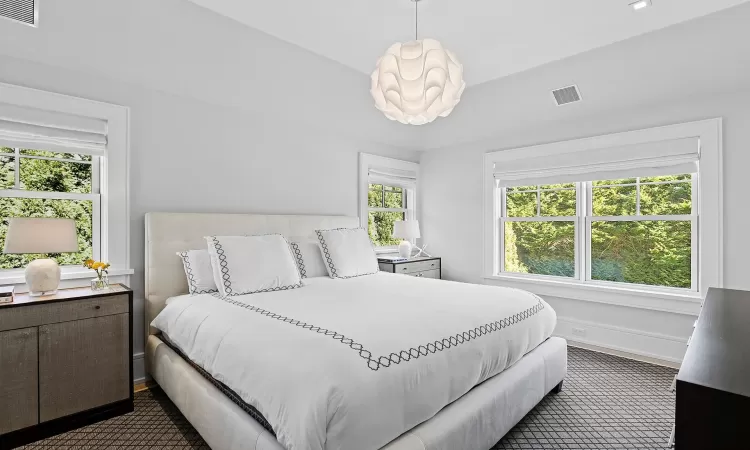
[[539, 229], [65, 157], [388, 193], [35, 183], [386, 204], [632, 218], [635, 230]]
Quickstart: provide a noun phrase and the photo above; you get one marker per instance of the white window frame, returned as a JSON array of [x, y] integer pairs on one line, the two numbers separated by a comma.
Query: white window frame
[[94, 197], [110, 177], [707, 224], [366, 161]]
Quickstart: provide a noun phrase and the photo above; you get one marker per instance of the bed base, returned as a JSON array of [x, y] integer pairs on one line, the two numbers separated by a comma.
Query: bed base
[[477, 420]]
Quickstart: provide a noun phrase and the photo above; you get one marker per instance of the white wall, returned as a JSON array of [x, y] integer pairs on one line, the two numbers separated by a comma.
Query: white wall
[[695, 70], [452, 215], [217, 121]]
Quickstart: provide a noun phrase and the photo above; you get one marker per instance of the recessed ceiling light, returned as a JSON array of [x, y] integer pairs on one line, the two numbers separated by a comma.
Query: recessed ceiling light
[[640, 4]]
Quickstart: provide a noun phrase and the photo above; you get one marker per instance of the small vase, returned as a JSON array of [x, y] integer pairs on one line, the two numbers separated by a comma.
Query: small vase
[[100, 284]]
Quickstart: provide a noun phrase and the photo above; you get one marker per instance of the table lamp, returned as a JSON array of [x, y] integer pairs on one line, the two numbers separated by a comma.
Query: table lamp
[[41, 235], [406, 230]]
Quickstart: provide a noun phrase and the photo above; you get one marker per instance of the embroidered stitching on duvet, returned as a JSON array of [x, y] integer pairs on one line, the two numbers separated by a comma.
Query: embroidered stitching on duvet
[[377, 362]]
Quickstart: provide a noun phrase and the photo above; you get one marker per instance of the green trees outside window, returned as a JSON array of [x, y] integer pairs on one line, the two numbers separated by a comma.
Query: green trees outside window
[[42, 175], [386, 205], [640, 230]]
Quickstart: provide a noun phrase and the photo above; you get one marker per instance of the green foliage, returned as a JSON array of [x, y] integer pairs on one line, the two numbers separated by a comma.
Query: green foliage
[[655, 252], [48, 176], [380, 223]]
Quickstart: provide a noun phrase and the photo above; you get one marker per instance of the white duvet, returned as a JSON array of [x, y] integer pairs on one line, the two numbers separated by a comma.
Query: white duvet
[[354, 363]]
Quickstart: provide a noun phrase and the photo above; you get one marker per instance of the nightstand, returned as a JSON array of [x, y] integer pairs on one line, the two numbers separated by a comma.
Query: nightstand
[[66, 361], [427, 267]]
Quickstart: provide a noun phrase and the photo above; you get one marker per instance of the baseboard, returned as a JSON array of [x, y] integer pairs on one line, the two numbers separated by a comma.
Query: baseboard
[[630, 343], [139, 368]]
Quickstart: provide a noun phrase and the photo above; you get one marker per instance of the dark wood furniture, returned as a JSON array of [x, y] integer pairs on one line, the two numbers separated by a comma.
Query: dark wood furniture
[[66, 361], [427, 267], [713, 385]]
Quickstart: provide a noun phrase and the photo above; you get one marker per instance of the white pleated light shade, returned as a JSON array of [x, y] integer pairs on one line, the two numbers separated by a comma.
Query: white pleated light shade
[[416, 82]]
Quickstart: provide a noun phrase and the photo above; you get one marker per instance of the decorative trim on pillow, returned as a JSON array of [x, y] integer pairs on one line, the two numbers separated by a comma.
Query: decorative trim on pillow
[[192, 284], [298, 257], [226, 278], [329, 259]]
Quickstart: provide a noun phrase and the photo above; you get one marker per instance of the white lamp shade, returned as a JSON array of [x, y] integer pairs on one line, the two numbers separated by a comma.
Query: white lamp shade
[[416, 82], [406, 229], [41, 235]]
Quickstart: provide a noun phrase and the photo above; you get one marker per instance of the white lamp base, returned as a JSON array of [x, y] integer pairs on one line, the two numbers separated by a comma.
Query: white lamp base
[[42, 277], [404, 249]]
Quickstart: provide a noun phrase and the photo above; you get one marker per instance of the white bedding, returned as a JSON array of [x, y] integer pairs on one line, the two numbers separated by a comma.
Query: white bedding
[[353, 363]]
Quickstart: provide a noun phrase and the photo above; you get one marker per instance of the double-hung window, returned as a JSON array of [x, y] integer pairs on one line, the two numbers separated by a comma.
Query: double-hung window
[[65, 157], [386, 204], [635, 230], [637, 211], [38, 183], [388, 192]]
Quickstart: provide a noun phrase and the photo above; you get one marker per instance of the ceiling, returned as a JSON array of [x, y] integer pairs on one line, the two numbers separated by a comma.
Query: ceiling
[[492, 38]]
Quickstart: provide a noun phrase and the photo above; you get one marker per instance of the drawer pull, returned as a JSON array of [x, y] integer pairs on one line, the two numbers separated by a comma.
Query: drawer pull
[[97, 307]]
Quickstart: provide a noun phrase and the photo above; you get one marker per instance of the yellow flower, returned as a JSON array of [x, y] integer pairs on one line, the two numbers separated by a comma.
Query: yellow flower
[[88, 263]]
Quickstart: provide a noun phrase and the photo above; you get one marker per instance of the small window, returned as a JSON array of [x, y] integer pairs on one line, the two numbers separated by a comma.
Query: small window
[[37, 183], [386, 204]]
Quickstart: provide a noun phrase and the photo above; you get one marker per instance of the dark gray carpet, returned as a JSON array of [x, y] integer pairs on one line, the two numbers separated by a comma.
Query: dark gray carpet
[[607, 403]]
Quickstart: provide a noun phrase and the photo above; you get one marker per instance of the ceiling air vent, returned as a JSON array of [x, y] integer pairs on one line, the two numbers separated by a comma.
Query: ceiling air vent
[[23, 11], [565, 95]]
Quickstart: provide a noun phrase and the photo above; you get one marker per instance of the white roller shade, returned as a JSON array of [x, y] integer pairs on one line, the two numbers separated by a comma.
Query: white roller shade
[[652, 159], [392, 177], [49, 130]]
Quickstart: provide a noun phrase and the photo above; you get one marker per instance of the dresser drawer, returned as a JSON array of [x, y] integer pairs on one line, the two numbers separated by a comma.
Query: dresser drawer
[[418, 266], [426, 274], [55, 312]]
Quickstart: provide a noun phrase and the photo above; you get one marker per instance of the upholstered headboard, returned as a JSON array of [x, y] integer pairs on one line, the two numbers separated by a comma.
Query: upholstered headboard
[[169, 233]]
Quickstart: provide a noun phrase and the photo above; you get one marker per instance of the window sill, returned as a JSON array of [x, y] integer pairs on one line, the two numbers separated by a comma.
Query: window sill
[[687, 303], [16, 276]]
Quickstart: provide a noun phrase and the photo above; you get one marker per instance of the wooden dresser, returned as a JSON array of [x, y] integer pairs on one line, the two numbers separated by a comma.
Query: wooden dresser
[[713, 385], [426, 267], [66, 361]]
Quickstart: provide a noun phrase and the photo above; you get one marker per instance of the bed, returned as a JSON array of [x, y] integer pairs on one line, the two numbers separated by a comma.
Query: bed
[[471, 416]]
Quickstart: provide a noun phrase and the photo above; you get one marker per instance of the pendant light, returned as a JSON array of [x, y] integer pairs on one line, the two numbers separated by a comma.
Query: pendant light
[[418, 81]]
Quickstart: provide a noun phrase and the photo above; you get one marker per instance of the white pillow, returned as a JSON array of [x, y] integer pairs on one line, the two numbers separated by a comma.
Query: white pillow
[[200, 276], [308, 257], [251, 264], [347, 252]]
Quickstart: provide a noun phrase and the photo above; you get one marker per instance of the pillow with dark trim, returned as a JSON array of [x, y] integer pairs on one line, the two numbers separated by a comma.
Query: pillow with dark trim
[[252, 264], [200, 276], [309, 258], [347, 252]]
